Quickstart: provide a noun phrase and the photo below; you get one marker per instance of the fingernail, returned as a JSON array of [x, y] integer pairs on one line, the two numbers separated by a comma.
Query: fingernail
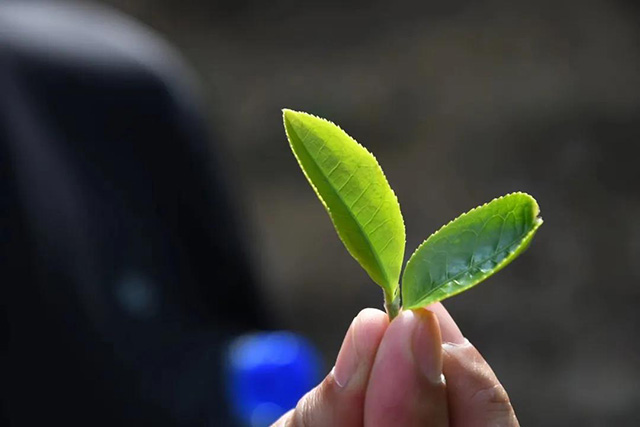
[[448, 327], [427, 345], [347, 361]]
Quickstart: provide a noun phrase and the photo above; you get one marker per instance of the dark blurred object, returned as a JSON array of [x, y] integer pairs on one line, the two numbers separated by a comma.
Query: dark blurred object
[[121, 265]]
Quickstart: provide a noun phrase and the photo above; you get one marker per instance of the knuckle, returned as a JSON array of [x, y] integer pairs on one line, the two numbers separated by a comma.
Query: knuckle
[[311, 409], [304, 410], [493, 399], [286, 420]]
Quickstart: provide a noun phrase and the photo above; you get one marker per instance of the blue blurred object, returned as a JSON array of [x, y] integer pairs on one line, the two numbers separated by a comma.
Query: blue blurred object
[[268, 373]]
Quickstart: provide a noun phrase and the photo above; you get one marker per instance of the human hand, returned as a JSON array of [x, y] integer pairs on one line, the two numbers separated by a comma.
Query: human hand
[[393, 375]]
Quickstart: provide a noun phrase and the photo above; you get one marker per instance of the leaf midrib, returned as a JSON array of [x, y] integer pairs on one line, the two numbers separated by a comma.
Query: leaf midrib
[[495, 253], [362, 231]]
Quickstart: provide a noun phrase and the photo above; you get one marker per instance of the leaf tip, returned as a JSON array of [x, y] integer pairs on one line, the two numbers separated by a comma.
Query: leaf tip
[[296, 119], [535, 207], [538, 221], [287, 114]]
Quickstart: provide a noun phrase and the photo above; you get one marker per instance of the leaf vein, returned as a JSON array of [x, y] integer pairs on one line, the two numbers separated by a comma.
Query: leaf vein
[[379, 225], [450, 279], [334, 168], [373, 216], [347, 181], [360, 196], [370, 244], [387, 244]]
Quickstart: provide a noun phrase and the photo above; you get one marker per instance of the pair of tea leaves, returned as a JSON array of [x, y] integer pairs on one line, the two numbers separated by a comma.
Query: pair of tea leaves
[[365, 212]]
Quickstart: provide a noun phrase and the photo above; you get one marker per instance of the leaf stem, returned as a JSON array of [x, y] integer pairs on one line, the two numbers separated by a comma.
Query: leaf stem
[[392, 305]]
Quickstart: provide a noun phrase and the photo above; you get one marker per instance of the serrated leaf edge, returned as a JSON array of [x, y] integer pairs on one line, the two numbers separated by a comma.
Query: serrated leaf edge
[[395, 197], [527, 237]]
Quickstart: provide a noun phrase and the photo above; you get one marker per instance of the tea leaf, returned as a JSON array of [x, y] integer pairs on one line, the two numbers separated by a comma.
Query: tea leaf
[[469, 249], [355, 193]]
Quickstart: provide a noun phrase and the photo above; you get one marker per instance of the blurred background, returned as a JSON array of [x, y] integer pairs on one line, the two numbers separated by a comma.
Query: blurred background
[[461, 102]]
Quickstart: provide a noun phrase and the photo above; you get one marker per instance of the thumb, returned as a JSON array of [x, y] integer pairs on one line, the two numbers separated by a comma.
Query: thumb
[[339, 398]]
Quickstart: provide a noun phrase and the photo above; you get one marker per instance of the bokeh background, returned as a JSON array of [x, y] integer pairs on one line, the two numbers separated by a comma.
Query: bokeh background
[[461, 101]]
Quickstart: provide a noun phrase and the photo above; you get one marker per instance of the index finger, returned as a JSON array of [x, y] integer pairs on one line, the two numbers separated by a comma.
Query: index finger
[[475, 396]]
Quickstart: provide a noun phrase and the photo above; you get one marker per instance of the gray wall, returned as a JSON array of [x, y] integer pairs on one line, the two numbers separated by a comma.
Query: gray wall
[[461, 102]]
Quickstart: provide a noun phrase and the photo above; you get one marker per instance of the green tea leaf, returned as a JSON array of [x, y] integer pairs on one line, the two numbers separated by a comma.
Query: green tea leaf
[[352, 187], [469, 249]]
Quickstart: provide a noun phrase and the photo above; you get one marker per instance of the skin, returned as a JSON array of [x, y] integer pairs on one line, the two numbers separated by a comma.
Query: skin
[[393, 374]]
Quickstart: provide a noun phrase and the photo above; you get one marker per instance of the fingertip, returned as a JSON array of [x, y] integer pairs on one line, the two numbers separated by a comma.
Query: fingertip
[[428, 317], [373, 316], [340, 396], [405, 387], [360, 346], [449, 329], [427, 345], [368, 329]]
